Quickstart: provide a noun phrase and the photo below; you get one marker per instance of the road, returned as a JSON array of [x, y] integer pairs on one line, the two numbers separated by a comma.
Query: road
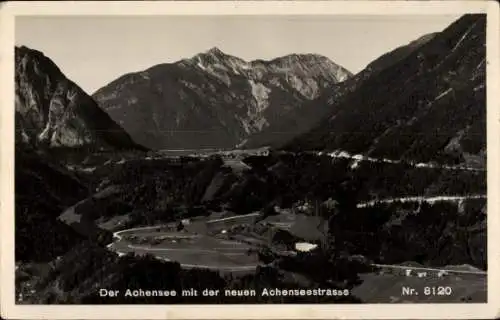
[[431, 199], [255, 214], [359, 157], [118, 234], [122, 247], [392, 266], [220, 252]]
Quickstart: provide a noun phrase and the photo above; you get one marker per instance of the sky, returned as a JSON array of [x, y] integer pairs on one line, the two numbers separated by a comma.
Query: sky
[[94, 50]]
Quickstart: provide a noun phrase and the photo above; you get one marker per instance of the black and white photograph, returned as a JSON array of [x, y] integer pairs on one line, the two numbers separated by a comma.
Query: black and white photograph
[[250, 159]]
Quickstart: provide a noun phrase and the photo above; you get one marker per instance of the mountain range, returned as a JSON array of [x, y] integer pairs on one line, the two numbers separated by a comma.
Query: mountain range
[[218, 101], [215, 100]]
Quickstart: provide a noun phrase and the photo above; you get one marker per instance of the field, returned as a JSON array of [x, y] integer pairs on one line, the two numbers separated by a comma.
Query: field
[[230, 244], [219, 242]]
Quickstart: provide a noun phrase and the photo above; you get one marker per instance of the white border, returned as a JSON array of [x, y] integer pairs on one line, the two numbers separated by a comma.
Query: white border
[[9, 310]]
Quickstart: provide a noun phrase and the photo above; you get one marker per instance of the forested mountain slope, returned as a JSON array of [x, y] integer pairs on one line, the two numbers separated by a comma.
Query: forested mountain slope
[[429, 106]]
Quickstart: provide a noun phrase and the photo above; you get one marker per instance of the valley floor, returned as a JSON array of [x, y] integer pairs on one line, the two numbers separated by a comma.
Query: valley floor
[[206, 244], [231, 244]]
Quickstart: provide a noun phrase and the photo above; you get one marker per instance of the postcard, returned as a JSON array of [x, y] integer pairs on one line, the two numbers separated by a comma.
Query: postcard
[[250, 160]]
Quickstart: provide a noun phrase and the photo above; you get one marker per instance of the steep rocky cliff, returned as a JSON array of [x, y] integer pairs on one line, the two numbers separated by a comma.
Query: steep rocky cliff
[[53, 112]]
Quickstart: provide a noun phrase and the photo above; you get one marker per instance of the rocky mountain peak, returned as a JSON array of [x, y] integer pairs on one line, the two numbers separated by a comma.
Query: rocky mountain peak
[[52, 111], [214, 58], [215, 51], [33, 63], [215, 54], [310, 65]]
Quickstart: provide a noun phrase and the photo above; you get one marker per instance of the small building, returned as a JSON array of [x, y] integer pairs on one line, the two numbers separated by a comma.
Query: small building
[[422, 274], [305, 246], [408, 272], [442, 273], [185, 222]]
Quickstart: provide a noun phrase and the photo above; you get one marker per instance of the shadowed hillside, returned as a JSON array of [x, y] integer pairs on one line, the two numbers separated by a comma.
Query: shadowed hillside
[[429, 106]]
